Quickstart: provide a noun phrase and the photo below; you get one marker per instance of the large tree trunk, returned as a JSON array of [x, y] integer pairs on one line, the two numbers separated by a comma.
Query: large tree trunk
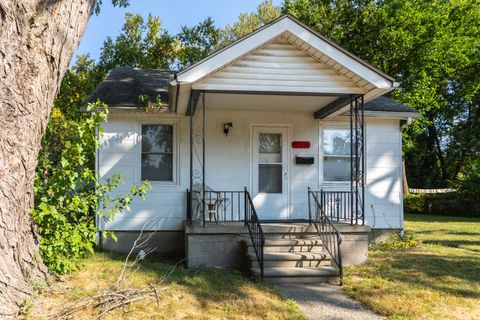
[[37, 41]]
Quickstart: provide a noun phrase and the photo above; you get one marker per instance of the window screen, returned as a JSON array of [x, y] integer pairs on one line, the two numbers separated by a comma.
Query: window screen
[[336, 155], [157, 152]]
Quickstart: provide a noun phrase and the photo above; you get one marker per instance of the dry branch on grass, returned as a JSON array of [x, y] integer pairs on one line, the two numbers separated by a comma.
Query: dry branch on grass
[[120, 296]]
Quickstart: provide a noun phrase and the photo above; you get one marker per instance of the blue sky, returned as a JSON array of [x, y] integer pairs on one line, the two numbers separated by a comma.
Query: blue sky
[[173, 14]]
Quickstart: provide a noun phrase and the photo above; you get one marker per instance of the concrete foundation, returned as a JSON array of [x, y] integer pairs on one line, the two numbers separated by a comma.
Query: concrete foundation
[[217, 246], [171, 242], [354, 247], [220, 245], [380, 235]]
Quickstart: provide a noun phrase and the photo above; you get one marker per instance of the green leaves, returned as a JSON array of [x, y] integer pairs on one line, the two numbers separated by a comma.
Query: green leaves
[[69, 195], [432, 49]]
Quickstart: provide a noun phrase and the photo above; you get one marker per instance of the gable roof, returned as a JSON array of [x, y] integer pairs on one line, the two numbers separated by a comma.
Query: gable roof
[[123, 86], [357, 76], [285, 23]]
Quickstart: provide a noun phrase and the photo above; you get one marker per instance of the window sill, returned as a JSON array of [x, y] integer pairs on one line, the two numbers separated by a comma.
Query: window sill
[[162, 183]]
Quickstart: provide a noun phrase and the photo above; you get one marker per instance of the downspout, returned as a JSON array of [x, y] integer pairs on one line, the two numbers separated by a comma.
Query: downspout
[[177, 93], [402, 128]]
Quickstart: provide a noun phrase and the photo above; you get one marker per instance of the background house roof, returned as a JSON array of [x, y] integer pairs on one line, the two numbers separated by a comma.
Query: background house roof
[[386, 104], [123, 85]]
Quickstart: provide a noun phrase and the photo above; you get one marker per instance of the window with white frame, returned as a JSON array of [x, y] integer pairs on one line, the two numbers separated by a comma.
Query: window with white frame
[[157, 163], [336, 154]]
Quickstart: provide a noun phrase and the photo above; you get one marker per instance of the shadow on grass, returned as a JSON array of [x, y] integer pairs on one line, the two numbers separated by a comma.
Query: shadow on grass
[[438, 218], [464, 244], [456, 275]]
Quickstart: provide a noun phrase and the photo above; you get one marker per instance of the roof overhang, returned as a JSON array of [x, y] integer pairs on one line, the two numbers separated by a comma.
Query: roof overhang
[[367, 80]]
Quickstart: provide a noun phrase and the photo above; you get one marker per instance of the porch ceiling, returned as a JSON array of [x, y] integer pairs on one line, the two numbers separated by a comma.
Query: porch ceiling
[[263, 102]]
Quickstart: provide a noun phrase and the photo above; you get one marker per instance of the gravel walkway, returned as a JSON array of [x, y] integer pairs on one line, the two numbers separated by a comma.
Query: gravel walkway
[[324, 301]]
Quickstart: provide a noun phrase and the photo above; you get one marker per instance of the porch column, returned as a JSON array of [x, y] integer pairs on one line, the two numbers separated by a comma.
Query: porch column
[[203, 155], [357, 159], [190, 190], [197, 161]]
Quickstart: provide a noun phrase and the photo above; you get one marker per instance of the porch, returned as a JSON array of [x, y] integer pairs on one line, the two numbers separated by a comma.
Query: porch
[[267, 201]]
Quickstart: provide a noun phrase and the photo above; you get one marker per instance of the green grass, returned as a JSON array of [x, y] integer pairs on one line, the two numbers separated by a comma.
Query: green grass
[[439, 279], [191, 294]]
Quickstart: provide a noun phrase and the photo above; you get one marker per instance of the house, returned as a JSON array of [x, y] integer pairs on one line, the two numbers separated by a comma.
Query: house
[[278, 149]]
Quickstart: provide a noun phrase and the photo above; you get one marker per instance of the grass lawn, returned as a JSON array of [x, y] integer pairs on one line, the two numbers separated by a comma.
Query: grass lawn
[[440, 279], [191, 294]]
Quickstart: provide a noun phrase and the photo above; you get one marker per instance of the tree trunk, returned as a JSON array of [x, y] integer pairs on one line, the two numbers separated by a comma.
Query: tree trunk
[[37, 41]]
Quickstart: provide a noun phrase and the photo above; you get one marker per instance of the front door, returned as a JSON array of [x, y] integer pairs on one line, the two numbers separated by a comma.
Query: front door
[[270, 172]]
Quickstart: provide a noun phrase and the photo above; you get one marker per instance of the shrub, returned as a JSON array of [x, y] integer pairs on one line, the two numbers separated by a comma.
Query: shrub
[[396, 241], [452, 203], [69, 194], [468, 183]]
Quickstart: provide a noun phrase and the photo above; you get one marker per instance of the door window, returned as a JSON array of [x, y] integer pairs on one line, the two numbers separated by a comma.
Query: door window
[[270, 163]]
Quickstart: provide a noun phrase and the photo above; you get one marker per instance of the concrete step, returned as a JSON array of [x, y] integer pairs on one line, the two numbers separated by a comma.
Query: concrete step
[[288, 236], [299, 275], [291, 245], [310, 241], [293, 249], [292, 259], [288, 228]]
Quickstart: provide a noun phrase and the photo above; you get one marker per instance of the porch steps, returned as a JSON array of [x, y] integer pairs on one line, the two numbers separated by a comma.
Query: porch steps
[[293, 253]]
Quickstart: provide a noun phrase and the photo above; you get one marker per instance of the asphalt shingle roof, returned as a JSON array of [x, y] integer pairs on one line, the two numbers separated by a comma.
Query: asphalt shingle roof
[[385, 104], [123, 86]]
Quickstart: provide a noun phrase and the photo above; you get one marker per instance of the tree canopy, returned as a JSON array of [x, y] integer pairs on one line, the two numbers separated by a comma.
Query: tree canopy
[[430, 48], [433, 49]]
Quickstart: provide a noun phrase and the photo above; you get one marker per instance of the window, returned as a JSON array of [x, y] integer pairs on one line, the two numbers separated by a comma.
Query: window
[[157, 153], [336, 154], [270, 163]]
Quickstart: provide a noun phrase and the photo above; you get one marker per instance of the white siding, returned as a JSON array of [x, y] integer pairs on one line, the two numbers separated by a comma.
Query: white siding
[[281, 66], [383, 203], [228, 164]]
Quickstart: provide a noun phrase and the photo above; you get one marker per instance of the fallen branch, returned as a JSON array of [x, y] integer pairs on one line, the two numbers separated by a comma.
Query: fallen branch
[[121, 297]]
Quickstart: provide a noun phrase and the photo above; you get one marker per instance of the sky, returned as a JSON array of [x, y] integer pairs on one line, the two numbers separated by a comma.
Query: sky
[[173, 15]]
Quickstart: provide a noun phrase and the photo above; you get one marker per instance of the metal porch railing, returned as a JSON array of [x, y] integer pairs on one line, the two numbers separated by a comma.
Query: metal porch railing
[[228, 206], [340, 206], [255, 229], [327, 232]]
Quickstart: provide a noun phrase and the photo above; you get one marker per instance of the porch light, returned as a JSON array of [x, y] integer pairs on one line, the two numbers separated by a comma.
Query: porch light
[[226, 128]]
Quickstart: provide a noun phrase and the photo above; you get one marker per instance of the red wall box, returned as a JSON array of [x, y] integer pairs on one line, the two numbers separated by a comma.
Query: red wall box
[[300, 144]]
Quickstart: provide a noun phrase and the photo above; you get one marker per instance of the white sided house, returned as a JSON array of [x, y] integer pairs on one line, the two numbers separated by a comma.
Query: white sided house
[[277, 153]]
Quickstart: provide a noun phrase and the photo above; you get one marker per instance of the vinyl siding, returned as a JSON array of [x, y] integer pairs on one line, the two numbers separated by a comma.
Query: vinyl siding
[[281, 66], [228, 164]]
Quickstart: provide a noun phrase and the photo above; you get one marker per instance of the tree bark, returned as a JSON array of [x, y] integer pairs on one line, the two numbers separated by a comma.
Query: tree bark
[[37, 41]]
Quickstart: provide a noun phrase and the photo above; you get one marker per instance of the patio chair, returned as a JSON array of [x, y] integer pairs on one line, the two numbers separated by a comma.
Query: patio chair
[[212, 202]]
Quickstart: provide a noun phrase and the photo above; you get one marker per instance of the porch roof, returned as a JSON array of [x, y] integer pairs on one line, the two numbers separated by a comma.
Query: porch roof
[[123, 85], [284, 58]]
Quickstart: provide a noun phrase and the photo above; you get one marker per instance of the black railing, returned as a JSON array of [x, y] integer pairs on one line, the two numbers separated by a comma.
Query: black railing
[[217, 206], [339, 206], [329, 235], [255, 229]]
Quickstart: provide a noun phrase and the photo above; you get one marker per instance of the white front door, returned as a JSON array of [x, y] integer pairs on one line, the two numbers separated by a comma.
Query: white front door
[[270, 172]]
